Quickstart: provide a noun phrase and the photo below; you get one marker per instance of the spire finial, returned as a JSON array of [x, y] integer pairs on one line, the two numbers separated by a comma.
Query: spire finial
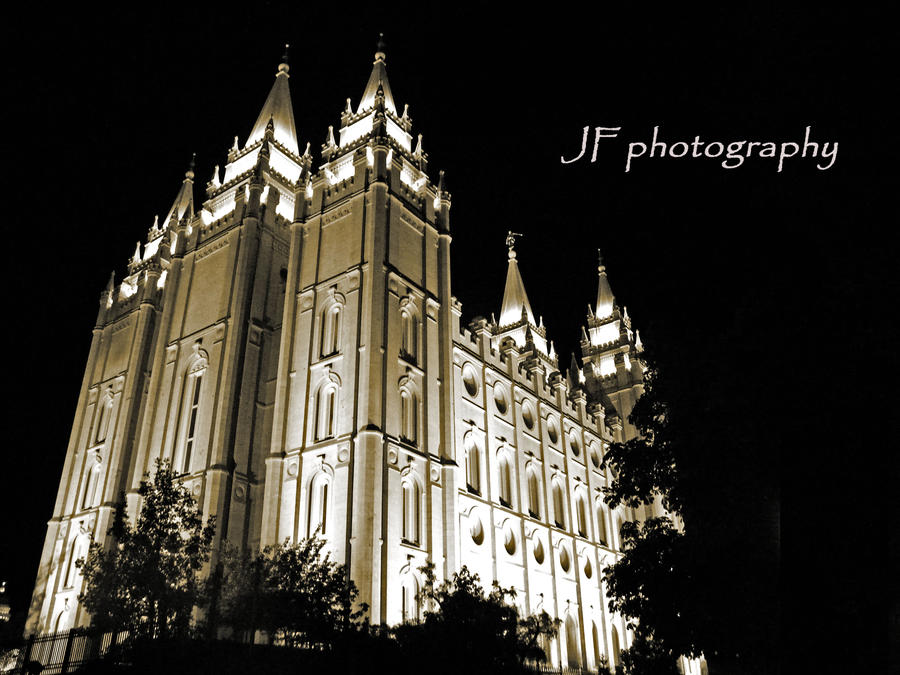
[[189, 174], [283, 67], [511, 243], [379, 48], [600, 267]]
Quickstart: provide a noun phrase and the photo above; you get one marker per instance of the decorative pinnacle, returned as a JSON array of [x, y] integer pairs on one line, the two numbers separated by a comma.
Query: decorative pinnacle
[[379, 48], [283, 67], [189, 174], [511, 243]]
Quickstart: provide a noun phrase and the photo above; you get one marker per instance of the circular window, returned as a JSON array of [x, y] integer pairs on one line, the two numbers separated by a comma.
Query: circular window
[[470, 380], [509, 540], [573, 443], [588, 570], [552, 430], [500, 399], [538, 551], [595, 458], [477, 531], [528, 415], [564, 559]]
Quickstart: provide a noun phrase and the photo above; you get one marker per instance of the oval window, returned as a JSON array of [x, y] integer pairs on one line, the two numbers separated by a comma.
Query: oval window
[[573, 443], [595, 458], [509, 540], [564, 559], [477, 531], [552, 430], [500, 399], [588, 570], [538, 551], [528, 415], [470, 380]]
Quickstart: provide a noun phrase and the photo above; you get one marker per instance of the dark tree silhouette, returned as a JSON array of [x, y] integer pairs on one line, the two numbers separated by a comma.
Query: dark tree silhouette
[[147, 579]]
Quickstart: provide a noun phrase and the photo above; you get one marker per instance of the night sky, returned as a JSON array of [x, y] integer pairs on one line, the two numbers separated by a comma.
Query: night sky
[[782, 273]]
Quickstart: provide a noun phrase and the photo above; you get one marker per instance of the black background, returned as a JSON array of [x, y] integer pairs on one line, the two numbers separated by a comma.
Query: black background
[[788, 277]]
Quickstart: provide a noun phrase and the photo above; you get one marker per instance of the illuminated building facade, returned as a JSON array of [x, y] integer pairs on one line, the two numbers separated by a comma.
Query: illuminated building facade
[[293, 347]]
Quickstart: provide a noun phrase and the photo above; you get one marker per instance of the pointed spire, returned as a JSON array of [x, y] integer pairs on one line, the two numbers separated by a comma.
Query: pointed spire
[[278, 108], [638, 345], [137, 254], [183, 206], [378, 79], [515, 301], [329, 142], [111, 284], [605, 298], [418, 151], [215, 177]]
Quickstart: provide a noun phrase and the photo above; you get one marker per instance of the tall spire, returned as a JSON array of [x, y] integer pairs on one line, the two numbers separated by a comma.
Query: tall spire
[[184, 201], [378, 77], [605, 298], [278, 108], [515, 300]]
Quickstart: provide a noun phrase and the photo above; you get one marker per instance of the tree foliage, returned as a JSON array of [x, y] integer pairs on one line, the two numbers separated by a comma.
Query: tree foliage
[[294, 592], [483, 632], [147, 580]]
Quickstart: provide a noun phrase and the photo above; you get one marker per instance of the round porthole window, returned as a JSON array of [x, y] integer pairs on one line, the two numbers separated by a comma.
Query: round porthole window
[[509, 540], [500, 399], [552, 430], [528, 415], [477, 531], [538, 551], [564, 559], [470, 380]]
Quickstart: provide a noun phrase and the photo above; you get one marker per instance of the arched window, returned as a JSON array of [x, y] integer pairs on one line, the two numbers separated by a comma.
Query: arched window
[[103, 418], [505, 481], [90, 488], [409, 414], [615, 657], [412, 511], [409, 601], [559, 505], [325, 410], [78, 550], [331, 329], [595, 638], [190, 406], [473, 469], [534, 493], [601, 523], [572, 651], [581, 516], [409, 334], [317, 517]]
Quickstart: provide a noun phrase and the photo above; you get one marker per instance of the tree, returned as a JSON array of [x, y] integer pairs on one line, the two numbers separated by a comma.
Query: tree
[[707, 586], [294, 592], [148, 580], [483, 632]]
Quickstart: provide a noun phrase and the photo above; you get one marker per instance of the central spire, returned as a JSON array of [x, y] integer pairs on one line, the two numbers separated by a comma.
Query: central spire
[[515, 299], [605, 298], [376, 79], [278, 108]]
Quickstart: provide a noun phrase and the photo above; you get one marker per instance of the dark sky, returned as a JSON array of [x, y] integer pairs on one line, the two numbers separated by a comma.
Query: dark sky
[[102, 114]]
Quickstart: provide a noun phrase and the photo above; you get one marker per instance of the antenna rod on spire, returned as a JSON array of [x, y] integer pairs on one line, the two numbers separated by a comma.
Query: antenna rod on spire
[[287, 52]]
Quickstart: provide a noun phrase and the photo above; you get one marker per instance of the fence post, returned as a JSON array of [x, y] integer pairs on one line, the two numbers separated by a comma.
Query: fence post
[[65, 662]]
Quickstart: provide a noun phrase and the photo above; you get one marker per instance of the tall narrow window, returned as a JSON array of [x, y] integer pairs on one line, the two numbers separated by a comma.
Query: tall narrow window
[[409, 334], [103, 419], [408, 415], [325, 411], [473, 473], [534, 493], [194, 382], [331, 329], [559, 506], [595, 638], [411, 511], [601, 523], [573, 653], [90, 489], [409, 601], [505, 482], [581, 516], [615, 659], [317, 518]]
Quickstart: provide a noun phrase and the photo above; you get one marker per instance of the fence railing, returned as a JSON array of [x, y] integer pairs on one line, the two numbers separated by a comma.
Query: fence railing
[[64, 652]]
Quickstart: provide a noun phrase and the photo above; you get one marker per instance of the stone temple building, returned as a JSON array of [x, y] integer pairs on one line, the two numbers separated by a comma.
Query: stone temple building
[[293, 346]]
